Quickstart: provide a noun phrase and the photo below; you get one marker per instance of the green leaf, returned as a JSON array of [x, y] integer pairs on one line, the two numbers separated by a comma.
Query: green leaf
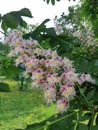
[[50, 32], [10, 20], [88, 67], [95, 127], [4, 87], [76, 41], [4, 26], [90, 94], [22, 23], [82, 127], [48, 1], [53, 2], [36, 34], [96, 63], [41, 26], [95, 98], [25, 12], [45, 21], [14, 19]]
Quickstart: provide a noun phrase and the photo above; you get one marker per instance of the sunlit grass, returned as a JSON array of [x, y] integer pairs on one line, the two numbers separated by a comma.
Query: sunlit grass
[[17, 109]]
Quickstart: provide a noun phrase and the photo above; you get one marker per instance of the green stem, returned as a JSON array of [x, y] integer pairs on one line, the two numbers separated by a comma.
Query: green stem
[[64, 117], [77, 121], [92, 119], [83, 95]]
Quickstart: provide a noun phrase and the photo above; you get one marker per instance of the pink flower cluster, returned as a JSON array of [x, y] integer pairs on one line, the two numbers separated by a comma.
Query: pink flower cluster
[[53, 73]]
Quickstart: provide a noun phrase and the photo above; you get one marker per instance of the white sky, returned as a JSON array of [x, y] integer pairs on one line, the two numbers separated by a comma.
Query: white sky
[[40, 10]]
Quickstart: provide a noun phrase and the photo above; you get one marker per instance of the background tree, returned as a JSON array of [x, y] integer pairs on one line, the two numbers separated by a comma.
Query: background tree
[[88, 10]]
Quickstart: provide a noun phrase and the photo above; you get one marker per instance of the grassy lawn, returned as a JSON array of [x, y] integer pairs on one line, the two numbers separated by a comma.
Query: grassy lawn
[[17, 109]]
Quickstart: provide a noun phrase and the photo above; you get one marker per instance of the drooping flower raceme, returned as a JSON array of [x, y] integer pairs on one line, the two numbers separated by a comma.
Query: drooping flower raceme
[[56, 75]]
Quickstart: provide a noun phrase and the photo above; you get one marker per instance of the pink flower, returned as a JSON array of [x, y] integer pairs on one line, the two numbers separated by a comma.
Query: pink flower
[[50, 94], [68, 91], [64, 75], [52, 79], [62, 105], [47, 63], [86, 77]]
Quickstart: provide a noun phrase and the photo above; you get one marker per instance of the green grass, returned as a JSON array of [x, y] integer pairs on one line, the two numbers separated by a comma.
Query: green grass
[[17, 109]]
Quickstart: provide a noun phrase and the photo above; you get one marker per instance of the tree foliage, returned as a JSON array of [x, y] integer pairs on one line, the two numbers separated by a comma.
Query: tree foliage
[[14, 19], [53, 2], [88, 9]]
